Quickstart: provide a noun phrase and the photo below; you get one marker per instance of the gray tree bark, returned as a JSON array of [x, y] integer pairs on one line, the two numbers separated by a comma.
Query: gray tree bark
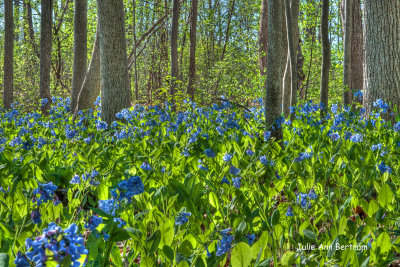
[[8, 54], [45, 52], [382, 52], [174, 47], [113, 58], [275, 63], [91, 84], [80, 50], [326, 54], [192, 61], [263, 37], [347, 93]]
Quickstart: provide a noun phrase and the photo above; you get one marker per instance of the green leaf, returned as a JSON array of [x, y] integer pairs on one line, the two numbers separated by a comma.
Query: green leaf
[[154, 240], [382, 245], [167, 234], [310, 235], [240, 230], [4, 259], [275, 217], [116, 256], [213, 200], [66, 262], [169, 253], [385, 196], [288, 258], [119, 236], [241, 255]]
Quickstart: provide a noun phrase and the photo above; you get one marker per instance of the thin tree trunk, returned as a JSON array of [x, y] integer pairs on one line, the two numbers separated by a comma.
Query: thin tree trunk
[[347, 95], [80, 50], [289, 93], [31, 31], [135, 54], [174, 49], [91, 84], [326, 54], [274, 67], [311, 57], [382, 53], [8, 54], [192, 62], [113, 58], [263, 37], [45, 52]]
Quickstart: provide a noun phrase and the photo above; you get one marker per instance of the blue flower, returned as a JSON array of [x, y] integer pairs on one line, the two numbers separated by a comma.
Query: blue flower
[[121, 223], [249, 152], [225, 181], [267, 135], [101, 125], [36, 217], [46, 192], [334, 108], [202, 167], [236, 182], [44, 101], [146, 166], [358, 95], [376, 147], [75, 180], [302, 199], [21, 260], [356, 138], [93, 222], [129, 188], [384, 168], [227, 157], [312, 194], [289, 212], [233, 170], [108, 206], [250, 239], [182, 218], [335, 136], [264, 160], [209, 153], [224, 245]]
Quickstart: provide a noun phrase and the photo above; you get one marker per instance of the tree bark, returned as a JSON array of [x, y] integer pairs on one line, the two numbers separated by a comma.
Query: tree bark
[[382, 52], [80, 50], [326, 54], [192, 63], [290, 76], [8, 54], [347, 93], [91, 84], [135, 54], [113, 58], [45, 52], [274, 67], [174, 48], [263, 37]]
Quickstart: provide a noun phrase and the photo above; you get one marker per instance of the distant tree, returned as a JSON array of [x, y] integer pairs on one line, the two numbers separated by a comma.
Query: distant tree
[[347, 27], [263, 37], [113, 58], [80, 50], [326, 53], [8, 53], [90, 88], [45, 51], [174, 47], [275, 63], [192, 63], [382, 53]]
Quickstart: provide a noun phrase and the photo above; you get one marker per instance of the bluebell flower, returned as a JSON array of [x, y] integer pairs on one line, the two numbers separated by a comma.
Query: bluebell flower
[[302, 199], [94, 182], [356, 138], [182, 218], [224, 245], [267, 135], [384, 168], [396, 127], [358, 95], [121, 223], [209, 153], [185, 152], [335, 136], [43, 102], [21, 260], [250, 239], [75, 180], [225, 181], [376, 147], [334, 108], [303, 156], [249, 152], [264, 160], [93, 222], [106, 237], [94, 174], [208, 252], [101, 125], [145, 166], [312, 194], [201, 166], [109, 206], [289, 212], [129, 188], [87, 140], [36, 217], [227, 157], [236, 182], [233, 170], [46, 192]]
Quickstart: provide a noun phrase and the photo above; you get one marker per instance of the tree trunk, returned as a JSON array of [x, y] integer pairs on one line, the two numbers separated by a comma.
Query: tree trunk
[[91, 84], [263, 37], [174, 49], [135, 54], [326, 54], [8, 53], [80, 50], [382, 52], [347, 93], [274, 67], [45, 52], [113, 58], [290, 76], [192, 63]]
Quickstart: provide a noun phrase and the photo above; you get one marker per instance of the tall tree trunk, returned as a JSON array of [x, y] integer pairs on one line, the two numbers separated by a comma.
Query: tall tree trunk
[[382, 52], [347, 94], [135, 54], [263, 37], [174, 49], [91, 84], [45, 52], [31, 31], [80, 50], [274, 67], [357, 45], [326, 54], [8, 53], [113, 58], [192, 62], [289, 92]]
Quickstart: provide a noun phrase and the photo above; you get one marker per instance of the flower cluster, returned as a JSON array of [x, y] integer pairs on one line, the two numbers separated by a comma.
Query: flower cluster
[[182, 218], [46, 192], [226, 242], [128, 188]]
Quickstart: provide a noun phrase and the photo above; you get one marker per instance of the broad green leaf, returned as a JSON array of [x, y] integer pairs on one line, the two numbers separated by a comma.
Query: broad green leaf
[[241, 255]]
